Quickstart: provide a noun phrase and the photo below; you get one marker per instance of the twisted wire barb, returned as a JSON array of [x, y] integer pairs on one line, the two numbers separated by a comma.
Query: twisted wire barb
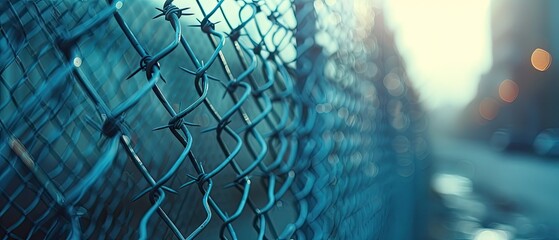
[[271, 135]]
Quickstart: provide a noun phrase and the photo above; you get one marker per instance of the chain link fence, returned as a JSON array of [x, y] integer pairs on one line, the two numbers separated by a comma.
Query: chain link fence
[[273, 119]]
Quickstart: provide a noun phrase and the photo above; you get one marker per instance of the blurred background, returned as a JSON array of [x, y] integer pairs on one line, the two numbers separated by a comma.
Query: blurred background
[[484, 72]]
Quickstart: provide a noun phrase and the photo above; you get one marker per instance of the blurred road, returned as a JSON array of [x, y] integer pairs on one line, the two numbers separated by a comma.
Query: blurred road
[[514, 192]]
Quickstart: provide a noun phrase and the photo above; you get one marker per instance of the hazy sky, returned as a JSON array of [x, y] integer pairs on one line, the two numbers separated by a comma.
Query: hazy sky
[[446, 45]]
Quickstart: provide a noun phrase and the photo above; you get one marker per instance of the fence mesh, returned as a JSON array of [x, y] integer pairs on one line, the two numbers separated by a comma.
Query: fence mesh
[[211, 119]]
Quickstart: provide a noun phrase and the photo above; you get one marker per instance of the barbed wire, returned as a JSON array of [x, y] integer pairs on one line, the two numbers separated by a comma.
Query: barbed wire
[[203, 119]]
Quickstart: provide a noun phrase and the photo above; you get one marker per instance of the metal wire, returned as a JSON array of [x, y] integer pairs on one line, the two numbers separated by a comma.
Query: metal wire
[[204, 119]]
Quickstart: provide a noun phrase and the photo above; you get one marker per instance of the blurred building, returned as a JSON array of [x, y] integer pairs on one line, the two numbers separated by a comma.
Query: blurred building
[[516, 99]]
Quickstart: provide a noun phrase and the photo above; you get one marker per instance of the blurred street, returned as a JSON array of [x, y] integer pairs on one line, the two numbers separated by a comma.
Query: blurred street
[[488, 194]]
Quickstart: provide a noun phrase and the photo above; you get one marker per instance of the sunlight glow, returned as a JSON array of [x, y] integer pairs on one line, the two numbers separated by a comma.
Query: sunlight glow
[[446, 46]]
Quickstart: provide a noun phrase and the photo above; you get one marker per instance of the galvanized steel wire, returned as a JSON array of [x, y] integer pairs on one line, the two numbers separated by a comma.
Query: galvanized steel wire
[[204, 119]]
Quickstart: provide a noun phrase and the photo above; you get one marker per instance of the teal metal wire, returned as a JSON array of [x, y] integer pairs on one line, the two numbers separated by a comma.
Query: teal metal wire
[[235, 124]]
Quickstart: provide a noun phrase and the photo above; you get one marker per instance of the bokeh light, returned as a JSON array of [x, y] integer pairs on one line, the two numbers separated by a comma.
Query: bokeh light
[[77, 61], [450, 184], [491, 234], [541, 59], [508, 90], [488, 108]]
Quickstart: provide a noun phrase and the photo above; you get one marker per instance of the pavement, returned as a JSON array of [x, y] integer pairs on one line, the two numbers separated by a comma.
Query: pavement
[[485, 194]]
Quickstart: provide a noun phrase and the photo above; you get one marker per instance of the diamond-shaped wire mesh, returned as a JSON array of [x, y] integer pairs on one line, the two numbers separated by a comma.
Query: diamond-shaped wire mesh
[[232, 119]]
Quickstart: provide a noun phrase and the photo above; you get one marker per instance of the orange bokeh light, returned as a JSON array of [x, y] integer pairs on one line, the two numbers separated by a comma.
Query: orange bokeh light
[[488, 108], [508, 90], [541, 59]]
